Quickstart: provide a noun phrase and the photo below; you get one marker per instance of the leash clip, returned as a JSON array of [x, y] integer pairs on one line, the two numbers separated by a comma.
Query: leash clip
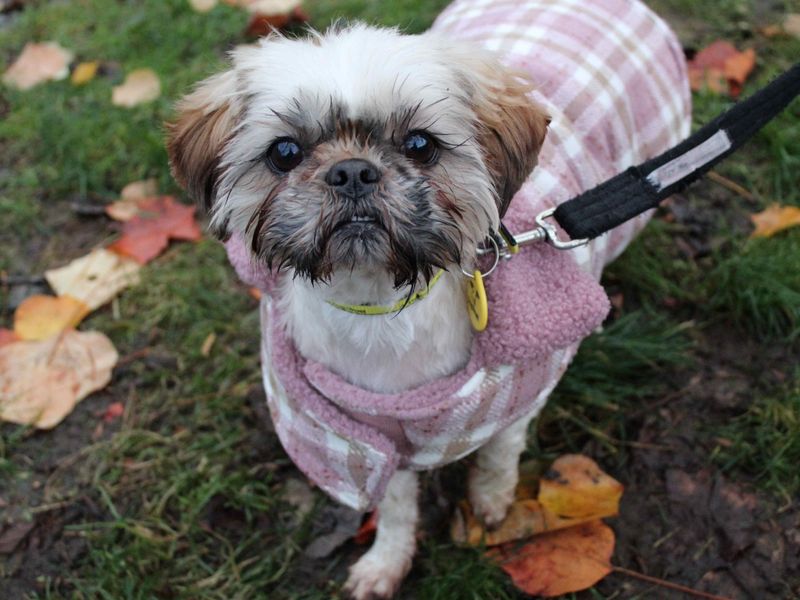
[[548, 232]]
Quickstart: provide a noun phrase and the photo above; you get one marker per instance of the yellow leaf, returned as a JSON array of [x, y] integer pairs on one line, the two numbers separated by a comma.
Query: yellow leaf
[[774, 219], [84, 72], [559, 562], [40, 317], [94, 279], [580, 493], [145, 188], [575, 487], [140, 86], [38, 63], [791, 24], [42, 381]]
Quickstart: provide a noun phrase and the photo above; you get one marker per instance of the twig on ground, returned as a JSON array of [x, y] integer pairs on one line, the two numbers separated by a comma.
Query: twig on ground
[[732, 186], [667, 584]]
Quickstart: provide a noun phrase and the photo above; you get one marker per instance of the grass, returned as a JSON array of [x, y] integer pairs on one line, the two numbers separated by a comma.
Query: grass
[[188, 490]]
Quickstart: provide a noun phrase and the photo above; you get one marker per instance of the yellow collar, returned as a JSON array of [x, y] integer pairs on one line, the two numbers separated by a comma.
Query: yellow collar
[[371, 309]]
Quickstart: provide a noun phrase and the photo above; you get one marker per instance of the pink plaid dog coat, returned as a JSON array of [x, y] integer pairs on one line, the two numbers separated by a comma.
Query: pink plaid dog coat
[[611, 75]]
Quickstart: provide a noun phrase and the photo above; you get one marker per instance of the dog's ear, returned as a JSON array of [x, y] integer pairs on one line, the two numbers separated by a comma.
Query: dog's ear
[[511, 129], [204, 122]]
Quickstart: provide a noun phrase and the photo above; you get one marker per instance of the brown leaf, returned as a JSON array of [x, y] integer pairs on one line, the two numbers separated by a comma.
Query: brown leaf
[[774, 219], [264, 24], [575, 487], [11, 536], [94, 279], [131, 198], [559, 562], [147, 234], [140, 86], [39, 317], [38, 63], [42, 381]]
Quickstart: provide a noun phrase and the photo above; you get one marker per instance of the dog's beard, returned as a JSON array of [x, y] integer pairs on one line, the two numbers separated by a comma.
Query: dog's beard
[[400, 228]]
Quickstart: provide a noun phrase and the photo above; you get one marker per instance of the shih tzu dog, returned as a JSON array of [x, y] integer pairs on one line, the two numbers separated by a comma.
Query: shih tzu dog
[[354, 174]]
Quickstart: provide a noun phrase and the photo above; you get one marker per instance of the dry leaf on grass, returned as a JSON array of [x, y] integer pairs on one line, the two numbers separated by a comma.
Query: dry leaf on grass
[[94, 279], [560, 562], [573, 491], [84, 72], [366, 532], [38, 63], [266, 7], [42, 381], [774, 219], [140, 86], [791, 24], [721, 68], [202, 6], [160, 219], [40, 317], [7, 336], [131, 197]]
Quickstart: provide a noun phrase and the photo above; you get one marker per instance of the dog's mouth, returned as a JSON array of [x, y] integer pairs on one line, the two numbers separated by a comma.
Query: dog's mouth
[[358, 222]]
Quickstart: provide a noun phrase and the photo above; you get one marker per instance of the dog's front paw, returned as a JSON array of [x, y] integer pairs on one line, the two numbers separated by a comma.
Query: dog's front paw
[[376, 575], [491, 494]]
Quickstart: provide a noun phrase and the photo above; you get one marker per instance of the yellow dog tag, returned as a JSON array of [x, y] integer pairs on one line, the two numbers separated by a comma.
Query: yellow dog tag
[[477, 307]]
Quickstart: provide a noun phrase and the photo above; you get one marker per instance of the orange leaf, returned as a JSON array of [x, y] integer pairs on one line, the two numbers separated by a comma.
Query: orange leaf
[[575, 487], [7, 336], [160, 219], [39, 317], [721, 66], [367, 530], [559, 562], [42, 381], [774, 219]]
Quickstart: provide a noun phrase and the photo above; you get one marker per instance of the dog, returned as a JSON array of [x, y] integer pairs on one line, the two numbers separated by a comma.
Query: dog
[[353, 175]]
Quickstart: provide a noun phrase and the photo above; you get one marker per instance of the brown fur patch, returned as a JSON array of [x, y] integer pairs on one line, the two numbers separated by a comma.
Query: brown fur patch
[[511, 132], [196, 138]]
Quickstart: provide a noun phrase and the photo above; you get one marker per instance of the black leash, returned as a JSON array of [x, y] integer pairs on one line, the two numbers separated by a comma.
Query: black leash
[[640, 188], [643, 187]]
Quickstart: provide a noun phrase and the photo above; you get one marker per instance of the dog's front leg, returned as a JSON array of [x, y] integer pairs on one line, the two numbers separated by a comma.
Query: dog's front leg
[[494, 475], [379, 572]]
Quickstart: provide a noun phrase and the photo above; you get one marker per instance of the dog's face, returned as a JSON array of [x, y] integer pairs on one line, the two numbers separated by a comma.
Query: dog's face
[[358, 147]]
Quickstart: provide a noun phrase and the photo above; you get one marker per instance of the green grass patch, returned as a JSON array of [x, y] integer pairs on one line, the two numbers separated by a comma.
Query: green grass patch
[[764, 442]]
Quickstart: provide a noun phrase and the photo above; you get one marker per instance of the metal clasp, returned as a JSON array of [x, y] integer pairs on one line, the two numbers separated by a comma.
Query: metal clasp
[[548, 230]]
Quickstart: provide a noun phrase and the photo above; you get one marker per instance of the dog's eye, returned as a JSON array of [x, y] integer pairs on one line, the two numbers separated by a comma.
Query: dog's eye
[[284, 155], [421, 147]]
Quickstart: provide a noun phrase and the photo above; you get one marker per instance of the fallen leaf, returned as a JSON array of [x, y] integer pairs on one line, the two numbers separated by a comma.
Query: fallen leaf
[[254, 293], [575, 487], [38, 63], [367, 530], [113, 411], [94, 279], [84, 72], [160, 219], [791, 24], [774, 219], [559, 562], [7, 336], [144, 188], [208, 343], [720, 67], [202, 6], [266, 7], [140, 86], [573, 491], [771, 31], [261, 25], [11, 536], [39, 317], [42, 381]]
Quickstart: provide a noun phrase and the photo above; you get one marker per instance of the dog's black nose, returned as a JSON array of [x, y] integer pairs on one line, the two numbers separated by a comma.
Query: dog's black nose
[[353, 177]]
